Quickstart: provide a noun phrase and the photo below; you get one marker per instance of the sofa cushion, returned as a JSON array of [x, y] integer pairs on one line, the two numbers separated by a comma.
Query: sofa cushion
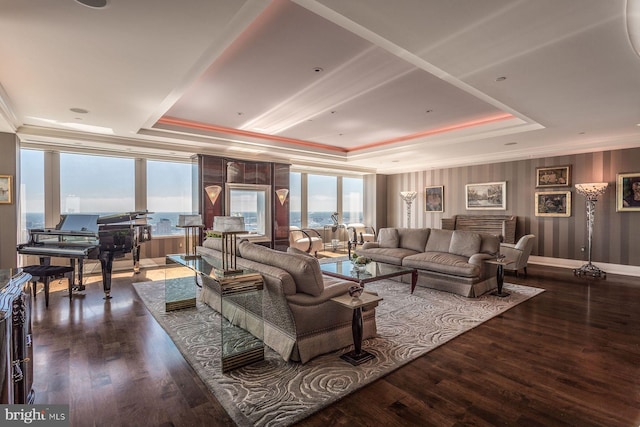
[[386, 255], [490, 244], [465, 243], [439, 241], [388, 238], [213, 243], [305, 270], [441, 262], [413, 238]]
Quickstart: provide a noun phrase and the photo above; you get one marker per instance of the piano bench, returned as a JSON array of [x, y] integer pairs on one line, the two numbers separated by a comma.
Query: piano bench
[[46, 273]]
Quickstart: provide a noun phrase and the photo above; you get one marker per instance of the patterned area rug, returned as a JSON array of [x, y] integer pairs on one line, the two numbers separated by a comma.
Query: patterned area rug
[[274, 392]]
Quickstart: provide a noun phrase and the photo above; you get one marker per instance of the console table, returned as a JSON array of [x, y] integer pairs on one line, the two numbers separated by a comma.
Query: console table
[[237, 297]]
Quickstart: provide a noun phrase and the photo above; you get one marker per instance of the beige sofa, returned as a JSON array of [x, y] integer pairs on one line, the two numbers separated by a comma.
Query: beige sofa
[[300, 320], [447, 260]]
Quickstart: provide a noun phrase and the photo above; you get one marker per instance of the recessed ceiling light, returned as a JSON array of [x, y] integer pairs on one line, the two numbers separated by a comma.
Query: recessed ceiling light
[[501, 79], [511, 143], [94, 4], [79, 110], [318, 69], [429, 111]]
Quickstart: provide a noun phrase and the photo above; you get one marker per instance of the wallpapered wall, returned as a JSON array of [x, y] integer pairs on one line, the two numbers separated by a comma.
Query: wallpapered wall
[[616, 237]]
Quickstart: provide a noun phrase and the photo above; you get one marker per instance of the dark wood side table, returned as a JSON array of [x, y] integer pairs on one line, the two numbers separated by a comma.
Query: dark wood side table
[[499, 276], [357, 356]]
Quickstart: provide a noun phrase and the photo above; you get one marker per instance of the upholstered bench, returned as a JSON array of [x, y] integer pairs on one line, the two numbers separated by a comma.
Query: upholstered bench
[[46, 273]]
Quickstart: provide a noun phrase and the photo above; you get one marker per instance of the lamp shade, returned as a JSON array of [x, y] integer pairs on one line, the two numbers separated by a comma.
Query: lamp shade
[[591, 190], [408, 196], [228, 223], [213, 191]]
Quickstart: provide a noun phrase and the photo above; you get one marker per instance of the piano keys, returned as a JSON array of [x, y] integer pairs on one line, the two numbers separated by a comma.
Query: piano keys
[[80, 236]]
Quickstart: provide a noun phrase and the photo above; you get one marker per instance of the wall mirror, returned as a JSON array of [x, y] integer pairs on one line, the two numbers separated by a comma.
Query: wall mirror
[[253, 202]]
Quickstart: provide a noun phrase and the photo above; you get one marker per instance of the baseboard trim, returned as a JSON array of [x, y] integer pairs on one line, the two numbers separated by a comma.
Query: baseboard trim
[[624, 270]]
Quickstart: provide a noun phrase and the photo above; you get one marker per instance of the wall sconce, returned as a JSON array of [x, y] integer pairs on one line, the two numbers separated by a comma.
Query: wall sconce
[[282, 195], [213, 191], [408, 197], [591, 191]]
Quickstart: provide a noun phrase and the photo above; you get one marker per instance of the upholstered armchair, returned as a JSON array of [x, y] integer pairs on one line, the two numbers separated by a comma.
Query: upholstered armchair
[[518, 253], [307, 240], [360, 233]]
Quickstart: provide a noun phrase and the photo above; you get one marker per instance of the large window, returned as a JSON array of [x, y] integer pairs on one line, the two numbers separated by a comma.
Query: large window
[[96, 184], [322, 199], [295, 199], [169, 194], [352, 200], [31, 191], [314, 198]]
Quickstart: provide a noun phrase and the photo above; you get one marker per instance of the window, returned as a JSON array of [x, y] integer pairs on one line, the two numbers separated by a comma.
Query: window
[[352, 203], [253, 203], [169, 194], [31, 191], [322, 197], [96, 185], [295, 199]]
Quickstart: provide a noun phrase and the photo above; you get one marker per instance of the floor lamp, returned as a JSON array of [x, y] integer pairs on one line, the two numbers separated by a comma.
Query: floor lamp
[[408, 197], [591, 192]]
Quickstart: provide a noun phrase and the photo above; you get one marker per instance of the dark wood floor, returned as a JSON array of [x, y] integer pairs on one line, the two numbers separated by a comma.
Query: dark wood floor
[[570, 356]]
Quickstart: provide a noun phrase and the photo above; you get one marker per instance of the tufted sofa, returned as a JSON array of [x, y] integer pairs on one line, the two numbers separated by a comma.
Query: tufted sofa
[[447, 260], [300, 320]]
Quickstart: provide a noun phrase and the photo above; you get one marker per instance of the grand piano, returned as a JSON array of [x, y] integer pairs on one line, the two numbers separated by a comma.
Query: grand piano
[[82, 236]]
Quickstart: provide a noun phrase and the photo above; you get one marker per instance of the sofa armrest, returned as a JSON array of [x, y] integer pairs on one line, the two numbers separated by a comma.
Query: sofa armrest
[[479, 259], [333, 288]]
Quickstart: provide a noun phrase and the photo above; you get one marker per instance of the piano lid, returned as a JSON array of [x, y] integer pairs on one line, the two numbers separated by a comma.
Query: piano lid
[[123, 217], [79, 222]]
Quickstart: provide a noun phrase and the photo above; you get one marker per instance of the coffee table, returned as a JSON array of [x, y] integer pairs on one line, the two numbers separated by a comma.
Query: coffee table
[[373, 272]]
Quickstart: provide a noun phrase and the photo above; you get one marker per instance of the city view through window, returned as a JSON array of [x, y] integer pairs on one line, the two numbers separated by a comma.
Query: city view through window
[[106, 185]]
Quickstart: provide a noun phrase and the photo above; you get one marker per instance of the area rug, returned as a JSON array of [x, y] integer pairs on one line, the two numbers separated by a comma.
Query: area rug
[[274, 392]]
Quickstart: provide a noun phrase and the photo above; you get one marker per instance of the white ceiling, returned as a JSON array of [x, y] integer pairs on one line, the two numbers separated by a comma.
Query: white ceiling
[[404, 85]]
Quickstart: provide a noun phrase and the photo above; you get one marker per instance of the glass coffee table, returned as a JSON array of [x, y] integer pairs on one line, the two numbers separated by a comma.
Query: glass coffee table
[[374, 271]]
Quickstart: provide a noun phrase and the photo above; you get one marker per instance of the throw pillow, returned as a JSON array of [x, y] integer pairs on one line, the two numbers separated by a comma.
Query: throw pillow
[[465, 243], [388, 238]]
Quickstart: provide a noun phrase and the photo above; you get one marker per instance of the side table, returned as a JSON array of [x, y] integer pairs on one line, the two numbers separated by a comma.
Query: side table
[[499, 276], [357, 356]]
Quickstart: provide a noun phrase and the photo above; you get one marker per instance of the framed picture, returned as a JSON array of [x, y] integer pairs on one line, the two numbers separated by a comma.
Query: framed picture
[[490, 195], [556, 176], [434, 199], [553, 203], [628, 192], [6, 189]]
